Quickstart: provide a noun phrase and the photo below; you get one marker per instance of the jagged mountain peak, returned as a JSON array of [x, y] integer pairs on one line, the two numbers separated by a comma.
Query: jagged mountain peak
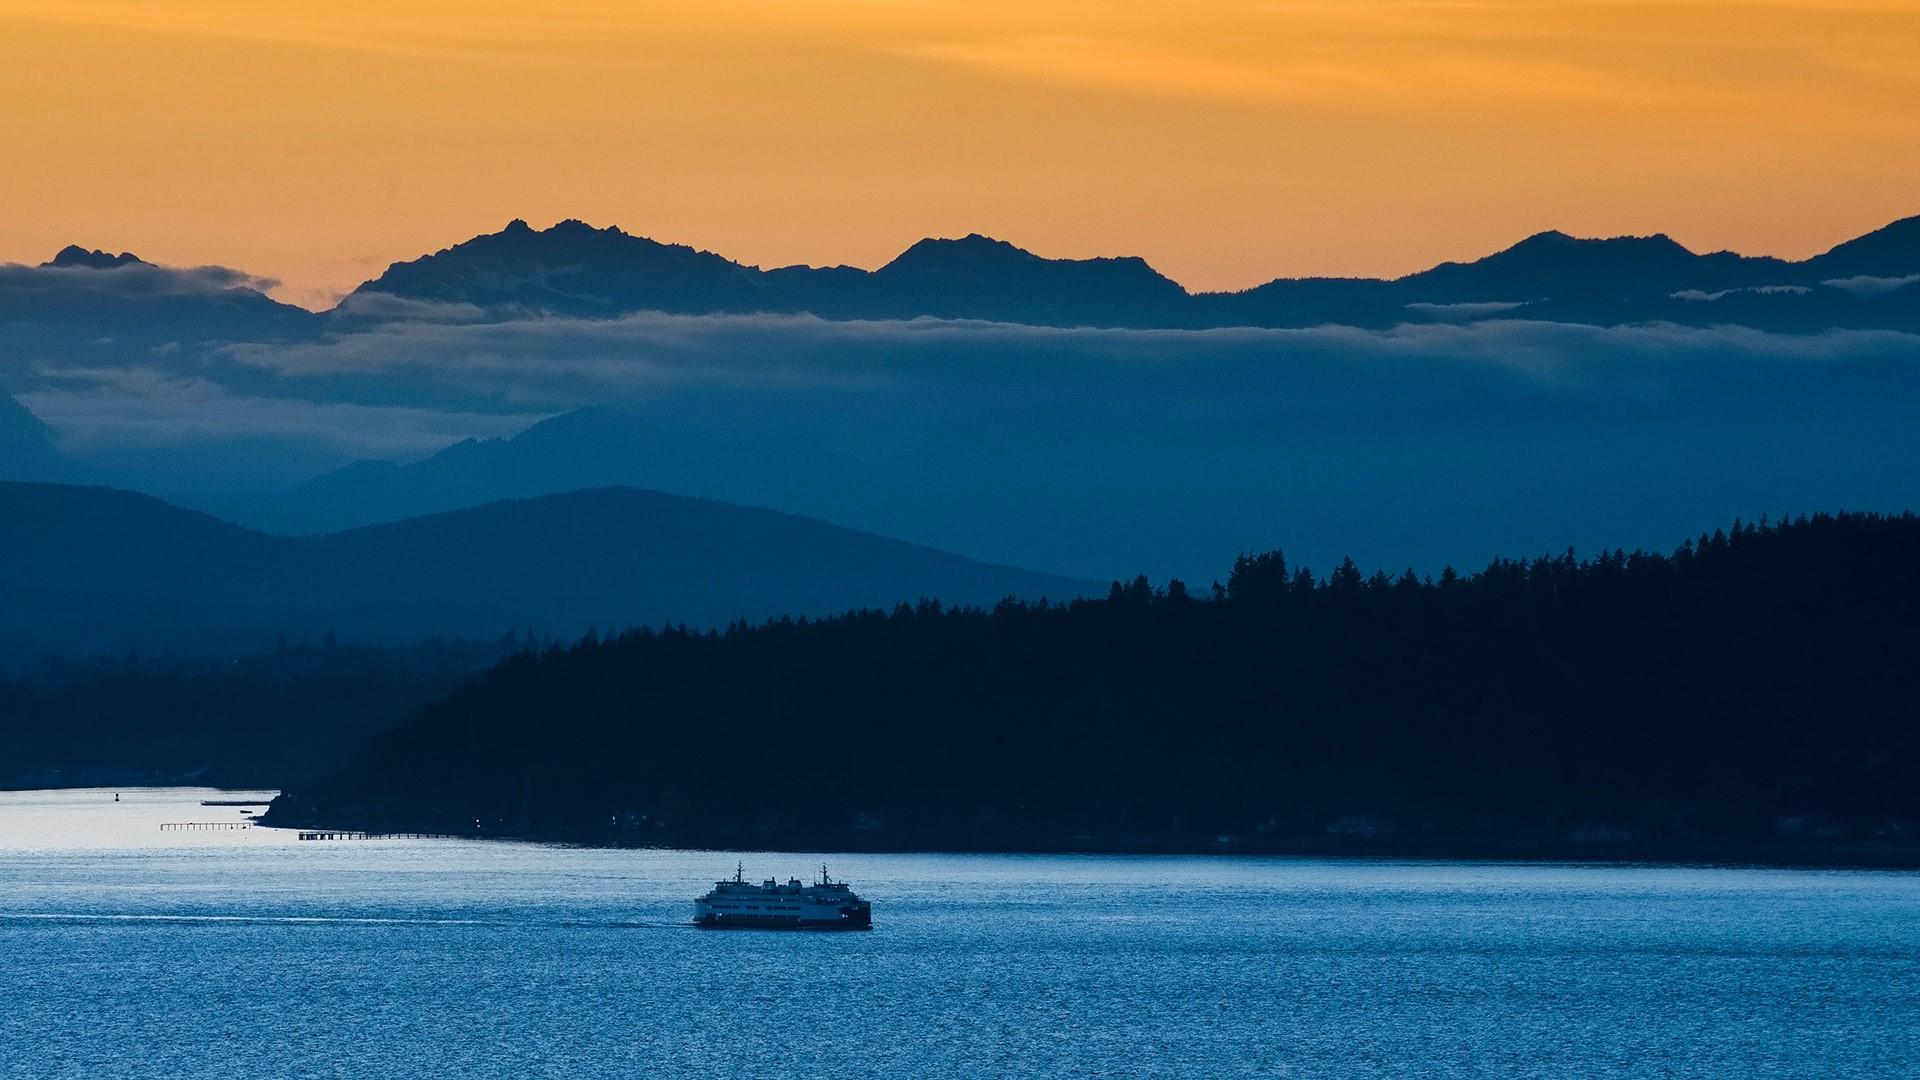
[[1555, 241], [570, 267], [1544, 239], [73, 255], [978, 249], [935, 253], [983, 262], [519, 234], [1557, 265]]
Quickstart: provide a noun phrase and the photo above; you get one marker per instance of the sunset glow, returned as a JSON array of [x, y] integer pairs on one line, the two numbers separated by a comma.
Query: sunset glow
[[1228, 143]]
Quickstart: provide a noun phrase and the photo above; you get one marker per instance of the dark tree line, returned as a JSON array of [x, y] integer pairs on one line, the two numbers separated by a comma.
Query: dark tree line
[[1754, 692]]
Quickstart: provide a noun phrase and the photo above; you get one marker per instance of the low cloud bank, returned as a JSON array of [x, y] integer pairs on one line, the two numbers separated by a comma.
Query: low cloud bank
[[562, 363], [134, 279]]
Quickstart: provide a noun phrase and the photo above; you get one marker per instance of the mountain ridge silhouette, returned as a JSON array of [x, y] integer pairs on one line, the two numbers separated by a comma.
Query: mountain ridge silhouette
[[572, 268], [92, 568]]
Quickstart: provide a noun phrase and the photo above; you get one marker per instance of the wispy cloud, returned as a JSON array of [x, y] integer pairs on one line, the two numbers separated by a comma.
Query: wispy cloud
[[388, 308], [1865, 285], [125, 410], [559, 363], [1369, 53]]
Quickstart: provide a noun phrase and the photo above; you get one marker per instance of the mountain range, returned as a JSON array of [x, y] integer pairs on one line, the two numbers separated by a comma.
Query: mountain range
[[1562, 388], [87, 568], [577, 270]]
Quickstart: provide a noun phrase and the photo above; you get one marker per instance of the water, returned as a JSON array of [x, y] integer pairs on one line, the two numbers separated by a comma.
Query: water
[[126, 951]]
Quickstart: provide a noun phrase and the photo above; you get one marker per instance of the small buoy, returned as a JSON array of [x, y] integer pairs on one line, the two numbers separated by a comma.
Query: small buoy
[[116, 796]]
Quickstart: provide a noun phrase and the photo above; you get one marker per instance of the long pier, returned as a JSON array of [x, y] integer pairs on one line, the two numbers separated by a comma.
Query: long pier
[[234, 802], [355, 834], [306, 834]]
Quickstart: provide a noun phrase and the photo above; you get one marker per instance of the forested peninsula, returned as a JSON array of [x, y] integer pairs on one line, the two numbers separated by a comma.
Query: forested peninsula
[[1752, 695]]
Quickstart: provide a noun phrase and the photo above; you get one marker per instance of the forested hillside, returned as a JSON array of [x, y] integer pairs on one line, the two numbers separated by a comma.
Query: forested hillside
[[1752, 694]]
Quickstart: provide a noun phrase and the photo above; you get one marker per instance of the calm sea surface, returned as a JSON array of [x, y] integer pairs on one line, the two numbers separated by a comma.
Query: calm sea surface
[[248, 955]]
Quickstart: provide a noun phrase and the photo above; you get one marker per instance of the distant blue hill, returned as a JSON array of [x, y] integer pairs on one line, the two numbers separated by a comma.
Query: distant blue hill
[[88, 569], [587, 448], [1154, 477]]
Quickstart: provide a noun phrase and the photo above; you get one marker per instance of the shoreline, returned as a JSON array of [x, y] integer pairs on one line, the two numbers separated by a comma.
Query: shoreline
[[1484, 850], [1804, 855]]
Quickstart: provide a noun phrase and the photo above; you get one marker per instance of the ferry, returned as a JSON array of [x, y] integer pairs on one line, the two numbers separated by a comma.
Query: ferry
[[825, 904]]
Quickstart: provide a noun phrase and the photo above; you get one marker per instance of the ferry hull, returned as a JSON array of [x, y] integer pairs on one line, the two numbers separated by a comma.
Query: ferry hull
[[858, 920]]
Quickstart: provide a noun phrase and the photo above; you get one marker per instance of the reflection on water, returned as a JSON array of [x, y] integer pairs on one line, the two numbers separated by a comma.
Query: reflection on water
[[129, 951], [128, 819]]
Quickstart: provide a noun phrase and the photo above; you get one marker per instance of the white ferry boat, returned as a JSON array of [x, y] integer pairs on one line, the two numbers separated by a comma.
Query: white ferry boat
[[825, 904]]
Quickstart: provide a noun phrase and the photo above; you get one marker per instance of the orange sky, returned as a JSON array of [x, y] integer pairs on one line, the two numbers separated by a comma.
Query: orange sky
[[1229, 143]]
